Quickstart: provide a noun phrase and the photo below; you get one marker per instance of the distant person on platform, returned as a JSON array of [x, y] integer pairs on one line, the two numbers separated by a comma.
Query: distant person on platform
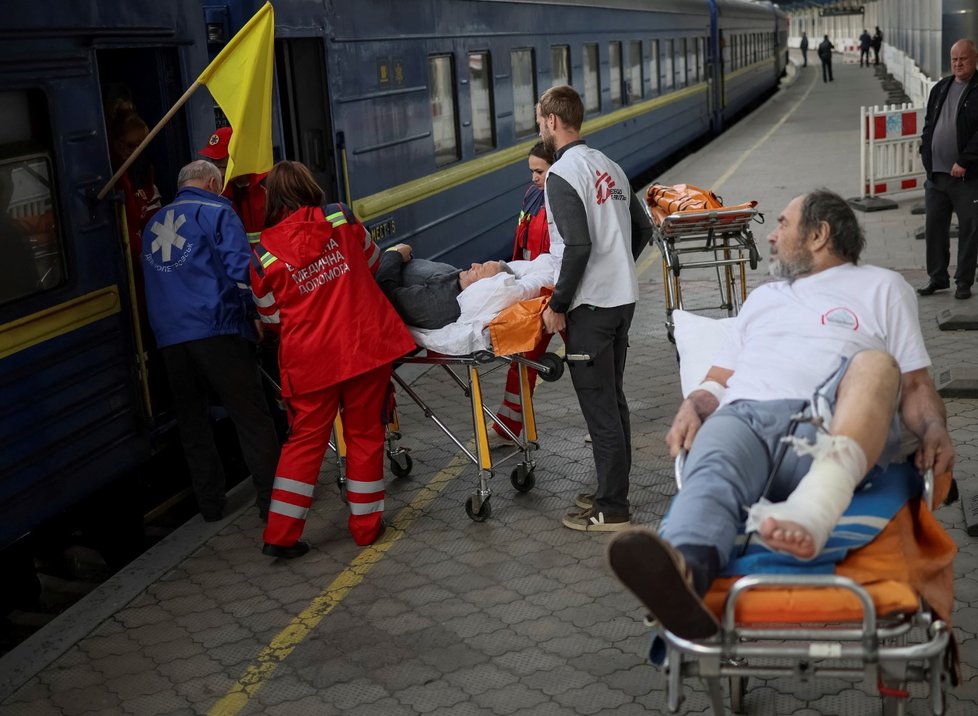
[[949, 151], [246, 192], [804, 49], [865, 42], [877, 45], [825, 55], [198, 296]]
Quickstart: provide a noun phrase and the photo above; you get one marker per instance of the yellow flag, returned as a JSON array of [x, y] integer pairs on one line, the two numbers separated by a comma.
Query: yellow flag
[[240, 80]]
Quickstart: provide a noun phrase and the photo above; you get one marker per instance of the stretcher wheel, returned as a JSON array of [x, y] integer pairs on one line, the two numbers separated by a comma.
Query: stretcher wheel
[[738, 693], [341, 486], [753, 256], [522, 479], [401, 464], [484, 511], [554, 367]]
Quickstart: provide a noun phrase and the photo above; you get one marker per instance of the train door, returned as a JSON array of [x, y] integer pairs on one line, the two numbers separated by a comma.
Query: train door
[[714, 71], [147, 80], [307, 132]]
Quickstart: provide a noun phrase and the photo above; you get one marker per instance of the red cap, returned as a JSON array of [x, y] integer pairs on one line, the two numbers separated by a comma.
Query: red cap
[[217, 145]]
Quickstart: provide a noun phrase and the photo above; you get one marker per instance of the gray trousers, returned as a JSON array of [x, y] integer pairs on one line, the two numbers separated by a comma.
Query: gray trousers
[[733, 455], [943, 196], [602, 333]]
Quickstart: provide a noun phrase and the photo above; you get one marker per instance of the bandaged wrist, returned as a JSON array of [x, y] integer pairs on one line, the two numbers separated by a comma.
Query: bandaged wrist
[[713, 388]]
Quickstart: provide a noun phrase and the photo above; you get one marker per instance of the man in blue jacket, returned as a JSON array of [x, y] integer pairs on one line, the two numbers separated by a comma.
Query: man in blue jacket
[[198, 297]]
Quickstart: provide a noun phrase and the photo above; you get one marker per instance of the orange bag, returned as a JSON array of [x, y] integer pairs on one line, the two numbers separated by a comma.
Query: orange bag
[[517, 329], [664, 200]]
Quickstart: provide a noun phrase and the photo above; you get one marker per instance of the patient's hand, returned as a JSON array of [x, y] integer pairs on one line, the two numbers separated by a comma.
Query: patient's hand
[[935, 449], [684, 428], [405, 251]]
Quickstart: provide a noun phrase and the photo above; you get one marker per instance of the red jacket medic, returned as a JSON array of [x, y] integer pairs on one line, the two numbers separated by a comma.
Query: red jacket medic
[[313, 275]]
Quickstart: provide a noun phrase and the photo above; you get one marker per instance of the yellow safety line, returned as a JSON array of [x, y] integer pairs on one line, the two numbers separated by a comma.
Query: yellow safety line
[[736, 165], [258, 674]]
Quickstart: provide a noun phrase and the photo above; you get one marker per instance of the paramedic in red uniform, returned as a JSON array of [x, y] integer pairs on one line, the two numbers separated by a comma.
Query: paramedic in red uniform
[[313, 281], [532, 240], [246, 192]]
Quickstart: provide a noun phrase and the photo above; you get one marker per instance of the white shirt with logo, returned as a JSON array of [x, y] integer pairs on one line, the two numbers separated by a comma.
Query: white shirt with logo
[[790, 336], [610, 279]]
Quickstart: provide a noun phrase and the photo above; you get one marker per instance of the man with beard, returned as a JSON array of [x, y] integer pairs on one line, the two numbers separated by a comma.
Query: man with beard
[[597, 229], [845, 330]]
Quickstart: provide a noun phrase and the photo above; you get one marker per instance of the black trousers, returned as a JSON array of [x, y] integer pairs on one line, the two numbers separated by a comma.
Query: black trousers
[[827, 71], [602, 333], [227, 366], [944, 195]]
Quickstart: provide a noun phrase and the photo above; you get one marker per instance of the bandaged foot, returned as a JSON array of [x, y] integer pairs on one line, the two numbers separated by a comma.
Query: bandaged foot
[[801, 525]]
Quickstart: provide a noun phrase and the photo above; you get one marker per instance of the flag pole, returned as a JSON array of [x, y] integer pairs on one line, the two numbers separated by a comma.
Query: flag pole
[[149, 137]]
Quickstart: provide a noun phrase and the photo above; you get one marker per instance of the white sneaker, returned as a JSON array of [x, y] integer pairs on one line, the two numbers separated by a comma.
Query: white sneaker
[[497, 441]]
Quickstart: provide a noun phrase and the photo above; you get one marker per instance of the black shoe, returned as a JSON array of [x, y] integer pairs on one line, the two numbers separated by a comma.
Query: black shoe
[[214, 513], [656, 573], [931, 287], [962, 292], [291, 552]]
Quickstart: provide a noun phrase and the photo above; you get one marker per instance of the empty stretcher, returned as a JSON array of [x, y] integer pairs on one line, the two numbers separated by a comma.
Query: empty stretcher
[[693, 230]]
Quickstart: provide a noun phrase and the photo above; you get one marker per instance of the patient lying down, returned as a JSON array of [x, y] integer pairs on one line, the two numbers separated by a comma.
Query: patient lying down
[[446, 308]]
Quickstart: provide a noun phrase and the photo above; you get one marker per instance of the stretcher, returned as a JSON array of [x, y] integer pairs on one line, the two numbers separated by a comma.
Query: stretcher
[[693, 230], [880, 615], [515, 330], [881, 619]]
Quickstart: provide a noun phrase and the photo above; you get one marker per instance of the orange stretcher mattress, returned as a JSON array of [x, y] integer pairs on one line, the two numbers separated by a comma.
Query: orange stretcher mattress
[[911, 558]]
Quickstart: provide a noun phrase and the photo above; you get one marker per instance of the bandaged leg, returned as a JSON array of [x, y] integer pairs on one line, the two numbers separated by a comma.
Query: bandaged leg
[[801, 524]]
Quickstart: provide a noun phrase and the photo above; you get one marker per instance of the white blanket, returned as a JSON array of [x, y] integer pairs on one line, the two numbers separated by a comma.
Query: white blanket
[[482, 301]]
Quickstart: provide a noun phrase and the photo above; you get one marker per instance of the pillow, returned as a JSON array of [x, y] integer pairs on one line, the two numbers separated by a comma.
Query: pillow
[[698, 341]]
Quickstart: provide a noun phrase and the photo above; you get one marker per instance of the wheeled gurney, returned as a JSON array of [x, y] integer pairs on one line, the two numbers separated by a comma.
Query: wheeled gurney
[[693, 230], [880, 615]]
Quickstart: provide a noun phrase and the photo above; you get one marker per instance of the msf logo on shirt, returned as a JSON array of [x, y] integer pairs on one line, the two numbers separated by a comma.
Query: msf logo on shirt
[[167, 240], [605, 187]]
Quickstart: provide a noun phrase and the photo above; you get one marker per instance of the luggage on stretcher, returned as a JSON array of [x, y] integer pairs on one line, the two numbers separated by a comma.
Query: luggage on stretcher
[[694, 230]]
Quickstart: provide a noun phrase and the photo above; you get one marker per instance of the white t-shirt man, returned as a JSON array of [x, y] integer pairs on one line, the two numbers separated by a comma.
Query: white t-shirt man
[[790, 335]]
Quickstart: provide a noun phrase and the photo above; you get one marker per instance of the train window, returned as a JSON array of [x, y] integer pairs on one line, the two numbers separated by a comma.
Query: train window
[[614, 73], [560, 65], [524, 91], [680, 62], [480, 92], [635, 70], [30, 238], [700, 58], [668, 79], [592, 83], [692, 49], [732, 50], [444, 110], [654, 67]]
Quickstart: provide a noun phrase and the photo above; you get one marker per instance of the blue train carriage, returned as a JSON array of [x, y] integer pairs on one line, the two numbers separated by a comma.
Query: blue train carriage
[[753, 52], [421, 114], [75, 409]]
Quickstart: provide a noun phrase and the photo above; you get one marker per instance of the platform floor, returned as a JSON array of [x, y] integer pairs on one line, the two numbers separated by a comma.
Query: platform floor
[[517, 615]]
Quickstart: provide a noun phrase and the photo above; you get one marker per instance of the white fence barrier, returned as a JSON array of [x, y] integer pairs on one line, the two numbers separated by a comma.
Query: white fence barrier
[[889, 160]]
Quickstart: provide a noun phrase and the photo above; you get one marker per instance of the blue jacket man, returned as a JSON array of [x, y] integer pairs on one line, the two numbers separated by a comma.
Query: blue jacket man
[[198, 296], [197, 256]]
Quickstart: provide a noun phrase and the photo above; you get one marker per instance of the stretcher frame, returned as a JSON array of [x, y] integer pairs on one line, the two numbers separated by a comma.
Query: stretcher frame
[[713, 238], [523, 478], [888, 652]]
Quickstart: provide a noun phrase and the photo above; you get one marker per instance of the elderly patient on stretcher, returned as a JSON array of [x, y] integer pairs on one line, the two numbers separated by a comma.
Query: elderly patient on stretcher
[[446, 308], [830, 327]]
